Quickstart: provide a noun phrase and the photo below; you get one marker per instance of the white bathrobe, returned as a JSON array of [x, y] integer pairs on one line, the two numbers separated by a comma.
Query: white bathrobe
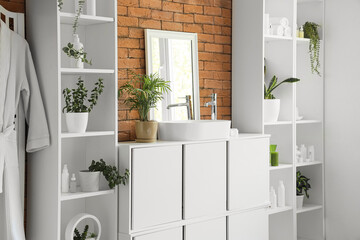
[[18, 82]]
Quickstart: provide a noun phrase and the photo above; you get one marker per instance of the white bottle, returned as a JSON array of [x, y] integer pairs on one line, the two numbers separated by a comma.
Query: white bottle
[[303, 152], [281, 194], [73, 183], [65, 180], [273, 200], [91, 7], [77, 63]]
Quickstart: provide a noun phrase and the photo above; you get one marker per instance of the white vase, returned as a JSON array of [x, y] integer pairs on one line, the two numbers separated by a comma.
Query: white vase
[[89, 181], [76, 122], [271, 110], [91, 7], [299, 201], [77, 63]]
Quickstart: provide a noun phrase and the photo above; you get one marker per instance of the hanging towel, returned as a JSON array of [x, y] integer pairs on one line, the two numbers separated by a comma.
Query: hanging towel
[[283, 21]]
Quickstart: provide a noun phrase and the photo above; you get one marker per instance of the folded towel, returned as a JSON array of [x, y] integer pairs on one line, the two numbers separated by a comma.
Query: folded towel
[[287, 32], [283, 21], [278, 30]]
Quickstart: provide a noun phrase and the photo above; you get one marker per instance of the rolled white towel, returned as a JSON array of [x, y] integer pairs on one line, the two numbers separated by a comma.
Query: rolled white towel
[[278, 30], [283, 21], [287, 32]]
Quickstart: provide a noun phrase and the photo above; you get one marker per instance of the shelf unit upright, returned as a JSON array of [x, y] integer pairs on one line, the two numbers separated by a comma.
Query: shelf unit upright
[[49, 30], [285, 57]]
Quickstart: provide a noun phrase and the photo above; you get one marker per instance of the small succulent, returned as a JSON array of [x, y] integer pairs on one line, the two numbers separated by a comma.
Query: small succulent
[[84, 235]]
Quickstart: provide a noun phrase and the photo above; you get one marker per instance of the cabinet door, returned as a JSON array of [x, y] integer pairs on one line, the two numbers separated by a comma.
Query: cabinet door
[[249, 226], [212, 230], [204, 179], [248, 173], [172, 234], [156, 186]]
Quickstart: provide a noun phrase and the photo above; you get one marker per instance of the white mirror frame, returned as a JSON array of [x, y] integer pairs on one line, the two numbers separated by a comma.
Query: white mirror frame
[[149, 33]]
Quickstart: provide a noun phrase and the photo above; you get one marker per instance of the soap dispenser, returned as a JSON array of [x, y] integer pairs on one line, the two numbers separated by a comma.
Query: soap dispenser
[[281, 194], [301, 32], [273, 199], [65, 180]]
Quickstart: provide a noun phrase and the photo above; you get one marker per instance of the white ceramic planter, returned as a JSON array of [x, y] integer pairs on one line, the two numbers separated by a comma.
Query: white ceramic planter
[[299, 202], [91, 7], [271, 110], [76, 122], [77, 63], [89, 181], [69, 232]]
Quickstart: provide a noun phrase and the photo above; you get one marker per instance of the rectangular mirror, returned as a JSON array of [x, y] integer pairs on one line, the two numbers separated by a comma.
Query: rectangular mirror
[[174, 56]]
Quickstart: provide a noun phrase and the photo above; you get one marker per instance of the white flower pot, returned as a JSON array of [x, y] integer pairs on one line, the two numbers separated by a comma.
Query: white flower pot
[[89, 181], [91, 7], [76, 122], [299, 201], [271, 110], [77, 63]]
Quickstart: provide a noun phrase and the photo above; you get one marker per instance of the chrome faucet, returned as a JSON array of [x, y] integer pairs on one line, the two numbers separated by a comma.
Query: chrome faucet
[[213, 105], [186, 104]]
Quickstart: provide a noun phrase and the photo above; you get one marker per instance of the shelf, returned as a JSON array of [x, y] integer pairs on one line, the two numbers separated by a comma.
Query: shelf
[[308, 121], [73, 71], [279, 210], [302, 40], [80, 195], [270, 38], [308, 164], [310, 1], [281, 166], [87, 134], [309, 208], [278, 123], [84, 20]]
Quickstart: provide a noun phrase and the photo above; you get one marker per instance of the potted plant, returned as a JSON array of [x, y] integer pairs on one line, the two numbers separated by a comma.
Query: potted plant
[[76, 52], [143, 92], [302, 187], [76, 111], [85, 235], [89, 179], [272, 105], [311, 32]]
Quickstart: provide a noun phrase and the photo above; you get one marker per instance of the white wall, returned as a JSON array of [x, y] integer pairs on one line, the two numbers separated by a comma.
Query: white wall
[[342, 116]]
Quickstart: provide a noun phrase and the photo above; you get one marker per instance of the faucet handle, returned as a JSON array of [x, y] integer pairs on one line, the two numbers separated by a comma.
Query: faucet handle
[[187, 97]]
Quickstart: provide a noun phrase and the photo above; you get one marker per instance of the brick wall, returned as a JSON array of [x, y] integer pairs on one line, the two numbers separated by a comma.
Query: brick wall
[[13, 5], [211, 19]]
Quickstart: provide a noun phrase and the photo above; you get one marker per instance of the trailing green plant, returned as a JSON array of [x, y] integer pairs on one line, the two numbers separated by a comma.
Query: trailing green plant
[[75, 99], [274, 84], [76, 54], [60, 4], [302, 184], [84, 235], [79, 11], [311, 32], [143, 98], [110, 173]]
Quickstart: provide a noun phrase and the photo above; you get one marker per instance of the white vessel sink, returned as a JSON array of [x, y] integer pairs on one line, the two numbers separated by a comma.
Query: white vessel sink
[[194, 130]]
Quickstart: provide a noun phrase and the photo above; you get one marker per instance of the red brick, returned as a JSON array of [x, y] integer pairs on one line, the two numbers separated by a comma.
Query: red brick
[[227, 49], [222, 75], [122, 115], [136, 33], [122, 74], [224, 92], [226, 84], [149, 23], [173, 7], [223, 21], [122, 10], [128, 43], [136, 53], [206, 92], [226, 13], [193, 9], [206, 74], [196, 2], [206, 38], [161, 15], [205, 56], [212, 29], [139, 12], [128, 21], [123, 52], [186, 18], [154, 4], [226, 66], [129, 63], [226, 101], [218, 57], [129, 3], [215, 11], [223, 3], [123, 136], [201, 47], [214, 66], [213, 84], [204, 19], [222, 39], [171, 26], [123, 32], [226, 31], [133, 115], [213, 47], [224, 110], [194, 28]]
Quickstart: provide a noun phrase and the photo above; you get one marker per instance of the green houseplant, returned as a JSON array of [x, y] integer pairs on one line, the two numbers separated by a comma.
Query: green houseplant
[[78, 105], [85, 235], [311, 31], [77, 54], [143, 92], [271, 104], [302, 188]]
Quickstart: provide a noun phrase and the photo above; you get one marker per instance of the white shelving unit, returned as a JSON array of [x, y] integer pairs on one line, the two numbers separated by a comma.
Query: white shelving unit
[[285, 57], [49, 30]]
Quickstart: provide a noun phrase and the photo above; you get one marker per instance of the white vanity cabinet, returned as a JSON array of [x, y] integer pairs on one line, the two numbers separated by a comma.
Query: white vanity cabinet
[[181, 190], [204, 179], [248, 175]]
